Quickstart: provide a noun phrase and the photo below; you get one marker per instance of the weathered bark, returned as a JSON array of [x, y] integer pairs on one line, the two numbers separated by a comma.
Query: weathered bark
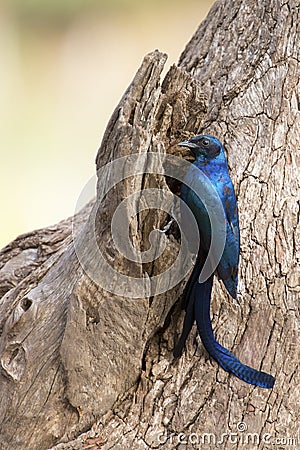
[[77, 357]]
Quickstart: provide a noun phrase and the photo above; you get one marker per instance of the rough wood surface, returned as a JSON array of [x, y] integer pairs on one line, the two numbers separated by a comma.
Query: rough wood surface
[[75, 357]]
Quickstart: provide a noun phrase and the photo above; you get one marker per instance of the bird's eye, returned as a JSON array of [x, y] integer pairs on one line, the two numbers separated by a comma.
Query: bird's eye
[[205, 142]]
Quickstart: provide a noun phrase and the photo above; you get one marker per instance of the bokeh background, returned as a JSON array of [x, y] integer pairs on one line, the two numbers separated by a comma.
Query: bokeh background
[[64, 64]]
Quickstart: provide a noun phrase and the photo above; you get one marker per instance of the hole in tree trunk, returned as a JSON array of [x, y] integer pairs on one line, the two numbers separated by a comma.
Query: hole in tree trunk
[[25, 304]]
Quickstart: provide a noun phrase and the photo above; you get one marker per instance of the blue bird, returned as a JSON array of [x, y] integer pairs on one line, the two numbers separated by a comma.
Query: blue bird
[[213, 178]]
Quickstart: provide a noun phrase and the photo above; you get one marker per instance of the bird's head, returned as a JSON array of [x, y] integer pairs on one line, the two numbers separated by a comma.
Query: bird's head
[[207, 147]]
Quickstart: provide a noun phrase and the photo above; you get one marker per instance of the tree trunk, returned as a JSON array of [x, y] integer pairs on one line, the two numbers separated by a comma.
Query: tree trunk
[[87, 334]]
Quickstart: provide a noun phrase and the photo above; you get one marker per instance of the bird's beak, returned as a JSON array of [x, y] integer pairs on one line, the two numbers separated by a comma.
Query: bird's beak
[[188, 144]]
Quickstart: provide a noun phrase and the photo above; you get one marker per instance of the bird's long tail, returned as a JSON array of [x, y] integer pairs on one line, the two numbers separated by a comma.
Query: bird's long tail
[[200, 298], [189, 306]]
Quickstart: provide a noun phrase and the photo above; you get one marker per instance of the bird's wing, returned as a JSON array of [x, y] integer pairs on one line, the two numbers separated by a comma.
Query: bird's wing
[[228, 265]]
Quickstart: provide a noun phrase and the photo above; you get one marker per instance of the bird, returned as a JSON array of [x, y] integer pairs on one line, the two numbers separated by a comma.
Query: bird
[[208, 177]]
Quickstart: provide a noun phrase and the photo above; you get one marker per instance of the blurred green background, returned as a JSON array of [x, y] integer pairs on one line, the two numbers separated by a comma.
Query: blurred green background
[[64, 66]]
